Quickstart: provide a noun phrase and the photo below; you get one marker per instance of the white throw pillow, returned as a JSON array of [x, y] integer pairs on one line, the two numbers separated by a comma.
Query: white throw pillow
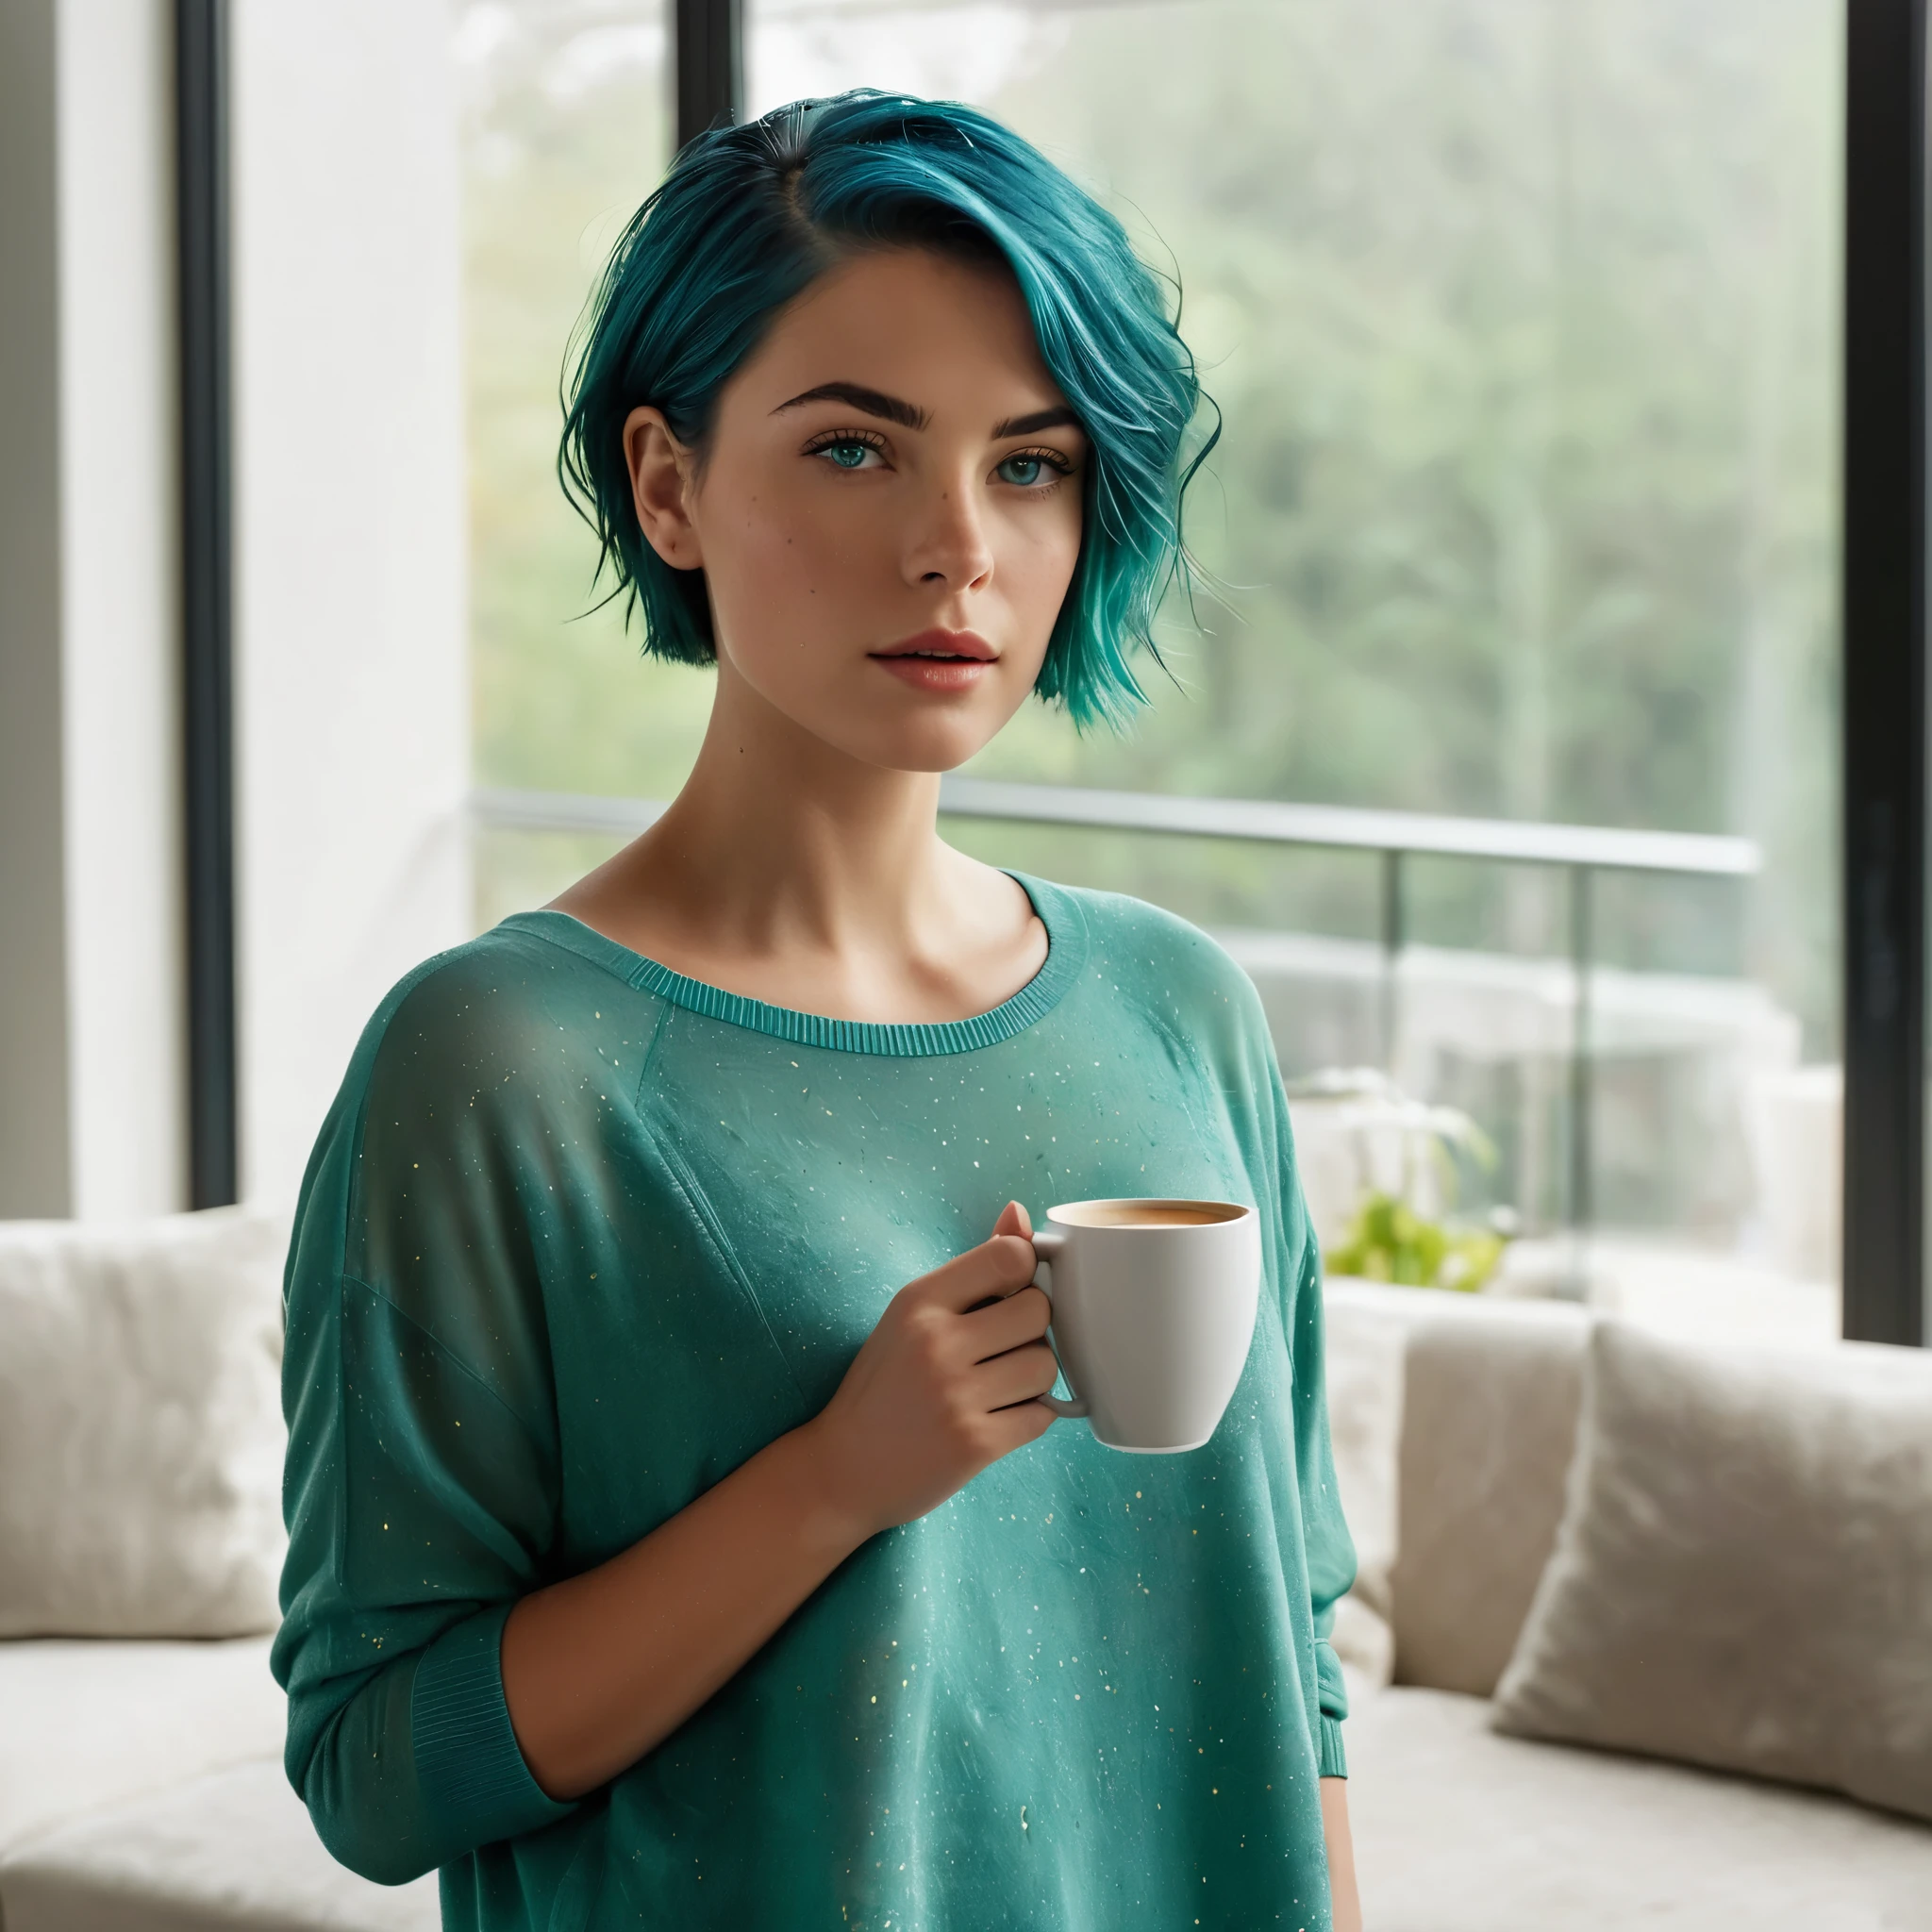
[[1743, 1574], [140, 1430], [1363, 1347]]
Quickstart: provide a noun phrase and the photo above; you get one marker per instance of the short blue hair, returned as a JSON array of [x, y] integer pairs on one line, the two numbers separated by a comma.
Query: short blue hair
[[750, 216]]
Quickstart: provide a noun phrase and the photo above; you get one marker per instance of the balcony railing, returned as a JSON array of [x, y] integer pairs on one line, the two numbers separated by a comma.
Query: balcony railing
[[1392, 837]]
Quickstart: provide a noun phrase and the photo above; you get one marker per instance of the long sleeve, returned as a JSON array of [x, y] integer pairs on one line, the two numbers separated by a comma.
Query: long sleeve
[[419, 1494], [1228, 1028], [1329, 1547]]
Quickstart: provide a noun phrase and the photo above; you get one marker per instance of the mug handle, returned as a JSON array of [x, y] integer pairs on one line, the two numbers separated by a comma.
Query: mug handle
[[1046, 1246]]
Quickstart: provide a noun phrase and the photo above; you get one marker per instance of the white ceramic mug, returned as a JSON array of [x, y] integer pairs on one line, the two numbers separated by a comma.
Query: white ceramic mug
[[1152, 1311]]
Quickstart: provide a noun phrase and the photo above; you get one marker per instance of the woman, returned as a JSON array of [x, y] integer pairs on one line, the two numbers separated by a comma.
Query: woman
[[652, 1559]]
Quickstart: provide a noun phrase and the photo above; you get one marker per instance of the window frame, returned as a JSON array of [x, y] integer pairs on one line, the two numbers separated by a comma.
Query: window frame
[[1882, 606]]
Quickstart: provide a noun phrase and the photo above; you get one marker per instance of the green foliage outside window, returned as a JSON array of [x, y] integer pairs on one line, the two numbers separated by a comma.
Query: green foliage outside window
[[1388, 1241], [1522, 317]]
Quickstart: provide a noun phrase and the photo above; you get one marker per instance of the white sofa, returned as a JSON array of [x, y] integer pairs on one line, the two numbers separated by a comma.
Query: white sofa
[[142, 1788], [140, 1442], [1460, 1827]]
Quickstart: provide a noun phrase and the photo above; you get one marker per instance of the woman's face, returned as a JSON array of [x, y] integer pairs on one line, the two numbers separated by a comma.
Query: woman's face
[[887, 510]]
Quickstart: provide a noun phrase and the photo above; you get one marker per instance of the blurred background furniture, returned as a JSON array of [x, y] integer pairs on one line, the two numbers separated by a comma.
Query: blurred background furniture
[[1459, 1509], [140, 1733], [140, 1778]]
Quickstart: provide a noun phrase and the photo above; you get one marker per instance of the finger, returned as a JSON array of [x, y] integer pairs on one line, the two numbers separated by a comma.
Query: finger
[[1014, 1219], [994, 1268], [1018, 1375], [1021, 1318], [1014, 1429]]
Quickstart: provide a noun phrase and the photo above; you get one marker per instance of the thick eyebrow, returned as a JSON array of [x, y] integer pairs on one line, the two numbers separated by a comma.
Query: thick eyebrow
[[1060, 418], [889, 408]]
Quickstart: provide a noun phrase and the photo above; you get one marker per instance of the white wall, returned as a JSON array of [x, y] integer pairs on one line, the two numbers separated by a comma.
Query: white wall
[[352, 705], [34, 1178], [91, 1115], [120, 545]]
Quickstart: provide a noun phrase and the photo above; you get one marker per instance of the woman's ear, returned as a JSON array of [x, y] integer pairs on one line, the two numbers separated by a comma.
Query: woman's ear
[[662, 472]]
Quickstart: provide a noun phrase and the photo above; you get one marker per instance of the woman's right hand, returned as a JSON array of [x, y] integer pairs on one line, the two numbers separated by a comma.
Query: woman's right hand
[[944, 1385], [600, 1668]]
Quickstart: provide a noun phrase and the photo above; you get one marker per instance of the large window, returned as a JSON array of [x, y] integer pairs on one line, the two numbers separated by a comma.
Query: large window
[[1522, 321], [566, 127]]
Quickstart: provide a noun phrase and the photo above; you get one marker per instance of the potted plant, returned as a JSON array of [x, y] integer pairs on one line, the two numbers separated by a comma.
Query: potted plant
[[1384, 1168]]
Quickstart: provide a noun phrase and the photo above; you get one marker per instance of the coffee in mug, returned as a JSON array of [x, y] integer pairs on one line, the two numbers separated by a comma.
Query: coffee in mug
[[1153, 1313], [1150, 1213]]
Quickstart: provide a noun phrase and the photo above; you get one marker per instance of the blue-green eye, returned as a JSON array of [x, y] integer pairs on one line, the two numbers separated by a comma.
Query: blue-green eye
[[1025, 468], [847, 455]]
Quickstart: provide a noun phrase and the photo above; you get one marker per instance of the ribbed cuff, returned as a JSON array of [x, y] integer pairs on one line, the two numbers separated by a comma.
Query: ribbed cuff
[[476, 1787], [1332, 1758]]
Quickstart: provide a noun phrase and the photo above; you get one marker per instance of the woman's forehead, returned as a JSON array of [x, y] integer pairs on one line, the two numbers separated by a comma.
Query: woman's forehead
[[947, 338]]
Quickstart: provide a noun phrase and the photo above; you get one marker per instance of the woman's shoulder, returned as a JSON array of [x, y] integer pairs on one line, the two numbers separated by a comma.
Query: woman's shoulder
[[448, 1135], [513, 1016], [475, 1069], [494, 995], [1134, 945]]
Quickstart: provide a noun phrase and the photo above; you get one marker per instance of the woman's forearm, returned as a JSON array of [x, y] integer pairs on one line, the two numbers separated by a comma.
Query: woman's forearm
[[1344, 1898], [599, 1669]]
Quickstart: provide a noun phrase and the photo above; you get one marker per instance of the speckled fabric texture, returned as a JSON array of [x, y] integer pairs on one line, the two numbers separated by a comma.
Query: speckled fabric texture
[[1744, 1575], [580, 1236]]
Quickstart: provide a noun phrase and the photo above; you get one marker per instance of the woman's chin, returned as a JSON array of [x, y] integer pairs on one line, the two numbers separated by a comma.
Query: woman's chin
[[897, 729], [937, 742]]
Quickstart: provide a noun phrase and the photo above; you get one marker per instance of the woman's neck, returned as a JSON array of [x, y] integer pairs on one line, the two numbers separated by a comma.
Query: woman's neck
[[791, 872], [786, 842]]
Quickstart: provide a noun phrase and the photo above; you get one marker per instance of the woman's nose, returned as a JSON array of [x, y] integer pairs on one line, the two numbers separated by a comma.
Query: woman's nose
[[950, 546]]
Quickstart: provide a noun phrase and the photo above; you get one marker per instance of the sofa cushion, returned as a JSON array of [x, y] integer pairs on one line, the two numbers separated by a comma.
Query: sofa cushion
[[1459, 1830], [232, 1849], [86, 1724], [141, 1435], [1744, 1577], [1363, 1354], [1489, 1426]]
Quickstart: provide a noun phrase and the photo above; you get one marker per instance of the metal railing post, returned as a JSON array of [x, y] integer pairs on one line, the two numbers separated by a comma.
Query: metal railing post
[[1579, 1206], [1394, 937]]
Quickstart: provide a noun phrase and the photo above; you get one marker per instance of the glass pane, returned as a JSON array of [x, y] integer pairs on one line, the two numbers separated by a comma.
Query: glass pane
[[1523, 322], [566, 128]]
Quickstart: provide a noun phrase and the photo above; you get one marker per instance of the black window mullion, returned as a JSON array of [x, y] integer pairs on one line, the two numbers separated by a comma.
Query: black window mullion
[[709, 38], [1884, 618], [207, 601]]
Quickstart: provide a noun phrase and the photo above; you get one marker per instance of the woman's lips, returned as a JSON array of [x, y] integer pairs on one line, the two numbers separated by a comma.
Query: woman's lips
[[934, 674], [939, 660]]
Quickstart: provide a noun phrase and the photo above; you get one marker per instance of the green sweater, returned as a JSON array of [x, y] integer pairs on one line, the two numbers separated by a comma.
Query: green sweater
[[581, 1235]]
